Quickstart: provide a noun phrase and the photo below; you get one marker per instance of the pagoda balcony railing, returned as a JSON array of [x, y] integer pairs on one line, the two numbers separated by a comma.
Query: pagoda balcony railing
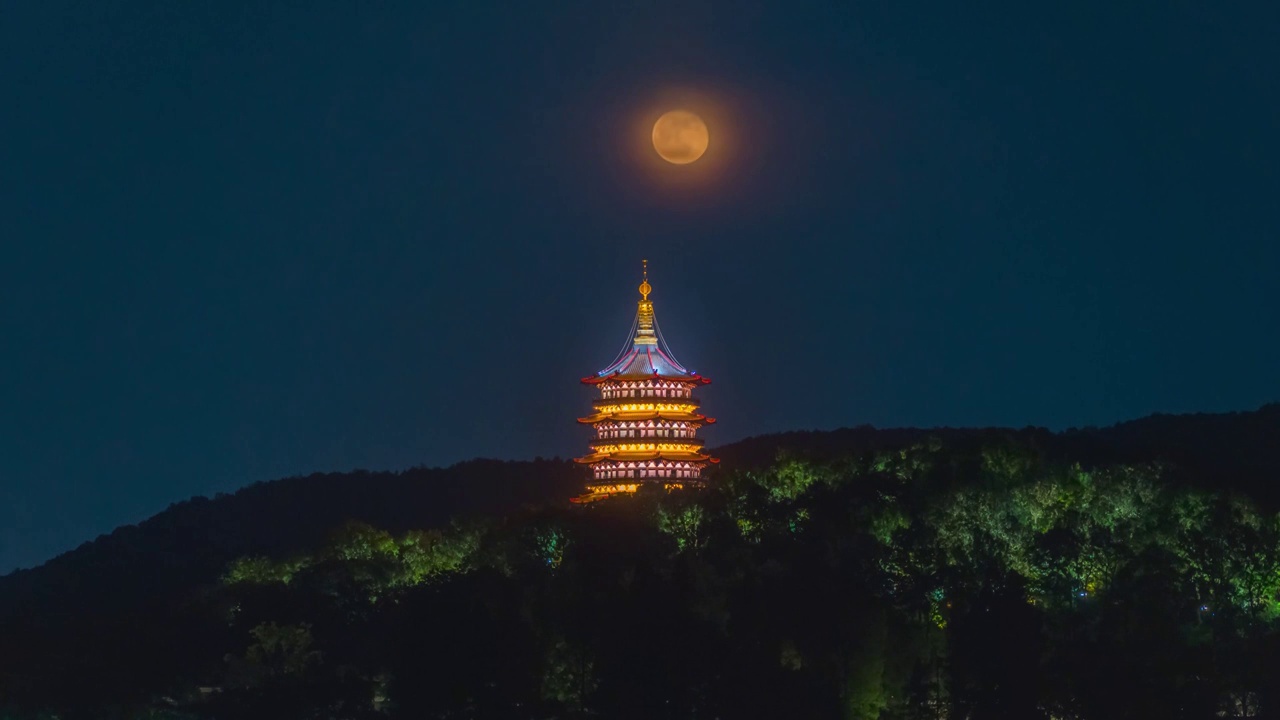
[[614, 436], [640, 395], [658, 443]]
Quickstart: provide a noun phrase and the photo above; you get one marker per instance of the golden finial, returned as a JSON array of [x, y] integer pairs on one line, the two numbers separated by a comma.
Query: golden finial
[[644, 312], [645, 287]]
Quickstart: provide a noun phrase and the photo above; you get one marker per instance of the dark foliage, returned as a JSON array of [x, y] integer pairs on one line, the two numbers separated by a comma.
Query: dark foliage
[[1118, 573]]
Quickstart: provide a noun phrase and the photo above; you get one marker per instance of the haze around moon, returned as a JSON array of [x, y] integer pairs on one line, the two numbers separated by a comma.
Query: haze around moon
[[680, 137]]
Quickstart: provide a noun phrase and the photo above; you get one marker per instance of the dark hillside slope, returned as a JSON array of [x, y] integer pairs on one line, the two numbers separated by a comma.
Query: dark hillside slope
[[192, 541], [141, 590], [1237, 451], [135, 589], [195, 539], [819, 445]]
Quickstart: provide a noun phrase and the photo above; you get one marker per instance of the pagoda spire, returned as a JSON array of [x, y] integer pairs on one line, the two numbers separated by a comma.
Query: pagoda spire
[[644, 313]]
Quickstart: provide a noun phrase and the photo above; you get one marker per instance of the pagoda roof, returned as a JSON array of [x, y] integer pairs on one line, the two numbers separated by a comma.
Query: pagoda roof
[[647, 415], [641, 456], [645, 355], [695, 421], [644, 362]]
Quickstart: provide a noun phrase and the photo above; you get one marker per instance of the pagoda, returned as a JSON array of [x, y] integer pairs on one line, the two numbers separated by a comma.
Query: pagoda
[[646, 420]]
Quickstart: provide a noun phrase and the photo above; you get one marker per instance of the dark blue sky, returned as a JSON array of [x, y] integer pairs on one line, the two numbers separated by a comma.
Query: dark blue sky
[[247, 240]]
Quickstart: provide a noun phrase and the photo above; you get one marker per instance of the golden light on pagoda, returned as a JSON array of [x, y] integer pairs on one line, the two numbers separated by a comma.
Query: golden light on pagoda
[[645, 421]]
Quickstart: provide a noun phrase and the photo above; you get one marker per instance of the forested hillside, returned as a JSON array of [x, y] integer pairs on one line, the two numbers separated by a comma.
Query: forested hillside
[[1131, 571]]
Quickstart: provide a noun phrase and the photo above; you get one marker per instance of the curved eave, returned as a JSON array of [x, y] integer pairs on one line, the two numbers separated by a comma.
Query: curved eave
[[647, 415], [691, 379], [594, 458]]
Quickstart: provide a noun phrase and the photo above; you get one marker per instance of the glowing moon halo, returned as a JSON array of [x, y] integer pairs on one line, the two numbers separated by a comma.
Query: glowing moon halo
[[680, 137]]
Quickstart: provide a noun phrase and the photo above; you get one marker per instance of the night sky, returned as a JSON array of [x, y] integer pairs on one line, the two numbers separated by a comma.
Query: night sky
[[248, 240]]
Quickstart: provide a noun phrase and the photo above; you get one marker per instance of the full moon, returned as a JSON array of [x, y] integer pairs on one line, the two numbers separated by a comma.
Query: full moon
[[680, 137]]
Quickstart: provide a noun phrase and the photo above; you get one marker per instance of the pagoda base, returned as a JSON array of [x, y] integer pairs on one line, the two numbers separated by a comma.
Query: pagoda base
[[597, 492]]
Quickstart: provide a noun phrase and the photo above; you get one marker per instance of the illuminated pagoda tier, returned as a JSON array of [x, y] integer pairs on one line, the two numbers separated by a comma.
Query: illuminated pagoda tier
[[646, 420]]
